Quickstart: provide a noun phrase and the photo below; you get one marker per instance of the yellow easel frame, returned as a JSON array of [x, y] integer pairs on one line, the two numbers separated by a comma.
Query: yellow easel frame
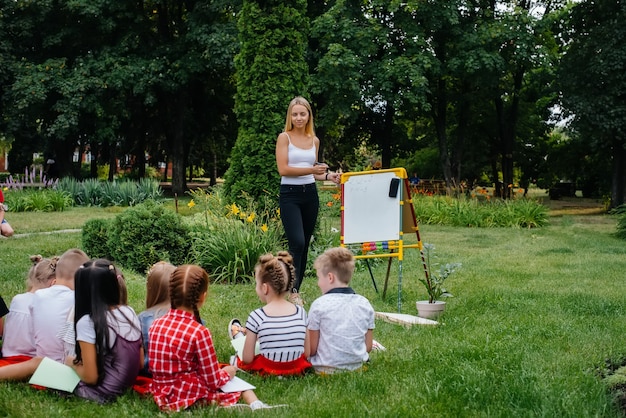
[[408, 224]]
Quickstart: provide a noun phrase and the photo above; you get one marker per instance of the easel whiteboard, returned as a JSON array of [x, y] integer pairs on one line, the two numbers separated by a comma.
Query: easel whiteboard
[[369, 214]]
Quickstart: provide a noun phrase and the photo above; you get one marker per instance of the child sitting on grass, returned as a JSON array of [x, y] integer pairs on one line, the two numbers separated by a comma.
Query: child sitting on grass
[[341, 323], [109, 353], [49, 310], [157, 301], [279, 326], [18, 344], [183, 363]]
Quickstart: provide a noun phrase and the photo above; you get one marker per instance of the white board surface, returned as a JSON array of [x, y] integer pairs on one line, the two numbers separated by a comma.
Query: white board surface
[[369, 213]]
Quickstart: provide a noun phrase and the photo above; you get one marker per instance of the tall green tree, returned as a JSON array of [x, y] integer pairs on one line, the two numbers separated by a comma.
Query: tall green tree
[[594, 87], [271, 70], [369, 74]]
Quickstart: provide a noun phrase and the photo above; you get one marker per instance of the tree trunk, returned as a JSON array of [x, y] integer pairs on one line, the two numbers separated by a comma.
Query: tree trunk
[[439, 118], [618, 183], [177, 140]]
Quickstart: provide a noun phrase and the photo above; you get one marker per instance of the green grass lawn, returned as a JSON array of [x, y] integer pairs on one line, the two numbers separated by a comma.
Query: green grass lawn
[[535, 313]]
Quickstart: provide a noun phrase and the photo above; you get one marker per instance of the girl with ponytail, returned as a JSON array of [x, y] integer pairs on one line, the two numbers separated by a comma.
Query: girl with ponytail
[[182, 359]]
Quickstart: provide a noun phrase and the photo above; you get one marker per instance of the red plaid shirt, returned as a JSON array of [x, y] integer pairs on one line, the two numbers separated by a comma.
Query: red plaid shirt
[[183, 363]]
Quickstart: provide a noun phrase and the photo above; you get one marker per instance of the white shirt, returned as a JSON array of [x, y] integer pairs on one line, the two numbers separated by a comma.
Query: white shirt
[[298, 157], [122, 321], [18, 331], [342, 319], [49, 311]]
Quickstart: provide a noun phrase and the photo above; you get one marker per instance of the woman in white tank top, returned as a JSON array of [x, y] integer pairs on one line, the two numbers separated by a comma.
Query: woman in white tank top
[[296, 158]]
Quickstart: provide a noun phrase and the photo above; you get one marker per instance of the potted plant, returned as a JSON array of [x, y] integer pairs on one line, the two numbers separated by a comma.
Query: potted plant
[[434, 278]]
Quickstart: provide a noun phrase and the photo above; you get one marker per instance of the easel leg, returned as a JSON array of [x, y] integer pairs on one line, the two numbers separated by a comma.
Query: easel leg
[[372, 276], [387, 278]]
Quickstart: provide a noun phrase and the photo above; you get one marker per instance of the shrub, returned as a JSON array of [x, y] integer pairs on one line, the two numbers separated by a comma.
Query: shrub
[[442, 210], [44, 200], [228, 239], [94, 238], [147, 233], [92, 192]]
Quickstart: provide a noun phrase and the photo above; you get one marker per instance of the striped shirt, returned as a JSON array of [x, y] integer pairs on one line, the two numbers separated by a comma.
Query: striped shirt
[[281, 338]]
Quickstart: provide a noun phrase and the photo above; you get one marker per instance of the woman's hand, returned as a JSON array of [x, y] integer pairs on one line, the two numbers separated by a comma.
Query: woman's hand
[[334, 177], [320, 169]]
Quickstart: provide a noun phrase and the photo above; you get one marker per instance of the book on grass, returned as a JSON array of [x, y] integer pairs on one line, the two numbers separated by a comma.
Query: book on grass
[[238, 344], [54, 375], [236, 385]]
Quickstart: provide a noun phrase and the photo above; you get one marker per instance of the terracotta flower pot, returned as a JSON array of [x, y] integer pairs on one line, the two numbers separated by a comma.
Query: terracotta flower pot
[[430, 310]]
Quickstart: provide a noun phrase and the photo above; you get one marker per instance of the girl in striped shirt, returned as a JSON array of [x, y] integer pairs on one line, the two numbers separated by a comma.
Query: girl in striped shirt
[[279, 327]]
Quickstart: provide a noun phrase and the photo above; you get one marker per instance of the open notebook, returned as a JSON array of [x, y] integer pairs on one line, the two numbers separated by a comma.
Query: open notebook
[[54, 375]]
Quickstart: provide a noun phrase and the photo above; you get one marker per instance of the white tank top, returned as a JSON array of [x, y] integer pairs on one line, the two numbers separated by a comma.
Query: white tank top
[[298, 157]]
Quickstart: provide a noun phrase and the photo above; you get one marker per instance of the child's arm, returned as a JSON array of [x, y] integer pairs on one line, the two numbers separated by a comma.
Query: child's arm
[[369, 340], [87, 370], [249, 347], [311, 342]]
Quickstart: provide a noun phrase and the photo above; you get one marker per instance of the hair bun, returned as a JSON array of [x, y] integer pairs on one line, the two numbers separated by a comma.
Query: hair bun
[[35, 259]]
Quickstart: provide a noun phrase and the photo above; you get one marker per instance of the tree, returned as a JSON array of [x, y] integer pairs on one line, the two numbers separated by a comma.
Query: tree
[[266, 82], [369, 74], [593, 85]]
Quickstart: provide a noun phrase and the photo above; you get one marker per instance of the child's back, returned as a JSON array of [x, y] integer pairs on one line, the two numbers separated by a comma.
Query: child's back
[[342, 318], [50, 307], [279, 327], [182, 361], [108, 334], [157, 302], [18, 326], [341, 323]]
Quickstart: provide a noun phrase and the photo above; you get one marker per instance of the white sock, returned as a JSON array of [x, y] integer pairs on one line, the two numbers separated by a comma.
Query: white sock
[[256, 404]]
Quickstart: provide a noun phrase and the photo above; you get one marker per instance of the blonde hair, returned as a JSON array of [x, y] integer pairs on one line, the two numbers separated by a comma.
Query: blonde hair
[[187, 285], [278, 272], [309, 128], [69, 262], [121, 280], [339, 261], [42, 272], [158, 283]]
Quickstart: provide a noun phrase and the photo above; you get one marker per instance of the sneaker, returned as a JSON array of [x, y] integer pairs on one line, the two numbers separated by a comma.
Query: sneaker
[[262, 405], [296, 299], [235, 329]]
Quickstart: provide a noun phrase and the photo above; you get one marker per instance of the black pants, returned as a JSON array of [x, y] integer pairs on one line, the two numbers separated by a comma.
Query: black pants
[[299, 206]]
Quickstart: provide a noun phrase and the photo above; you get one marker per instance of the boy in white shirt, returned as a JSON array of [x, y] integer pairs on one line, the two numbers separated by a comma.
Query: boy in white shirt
[[340, 322]]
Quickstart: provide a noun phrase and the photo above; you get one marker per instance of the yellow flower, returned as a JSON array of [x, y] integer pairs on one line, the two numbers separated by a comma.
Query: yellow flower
[[251, 217], [264, 228], [278, 211], [5, 188], [234, 209], [191, 204]]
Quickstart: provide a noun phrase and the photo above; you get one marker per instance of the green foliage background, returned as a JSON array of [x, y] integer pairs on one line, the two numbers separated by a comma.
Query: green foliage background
[[266, 82]]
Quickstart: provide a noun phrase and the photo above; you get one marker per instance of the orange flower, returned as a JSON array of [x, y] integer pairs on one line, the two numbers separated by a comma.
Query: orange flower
[[329, 204]]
